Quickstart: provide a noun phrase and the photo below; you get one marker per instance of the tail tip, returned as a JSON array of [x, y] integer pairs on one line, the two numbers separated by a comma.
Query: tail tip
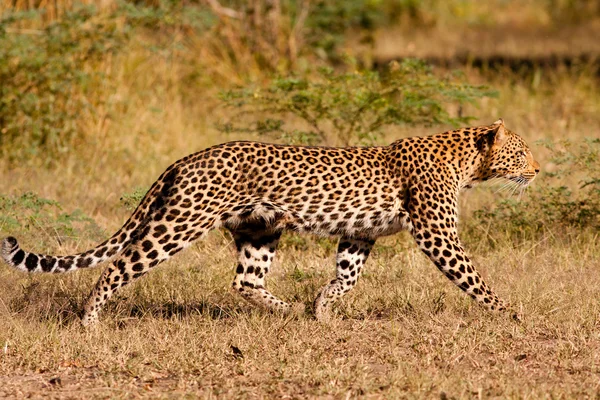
[[9, 245]]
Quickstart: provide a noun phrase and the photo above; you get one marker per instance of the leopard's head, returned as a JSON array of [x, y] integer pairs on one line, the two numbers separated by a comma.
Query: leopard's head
[[506, 155]]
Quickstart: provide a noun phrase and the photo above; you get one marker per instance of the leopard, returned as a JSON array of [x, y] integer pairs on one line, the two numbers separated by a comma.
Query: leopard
[[257, 191]]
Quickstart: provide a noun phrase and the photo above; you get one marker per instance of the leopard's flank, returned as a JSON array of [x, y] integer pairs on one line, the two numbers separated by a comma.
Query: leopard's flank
[[258, 190]]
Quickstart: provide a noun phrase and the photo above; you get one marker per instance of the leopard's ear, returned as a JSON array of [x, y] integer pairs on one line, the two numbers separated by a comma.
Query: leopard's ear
[[499, 131]]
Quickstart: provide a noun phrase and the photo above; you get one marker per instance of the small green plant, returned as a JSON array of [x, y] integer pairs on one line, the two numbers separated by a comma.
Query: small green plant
[[299, 275], [560, 200], [350, 108], [31, 213], [131, 200]]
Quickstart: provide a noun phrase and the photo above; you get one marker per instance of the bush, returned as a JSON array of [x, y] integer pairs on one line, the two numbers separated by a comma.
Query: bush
[[31, 213], [253, 38], [551, 204], [350, 108], [50, 80]]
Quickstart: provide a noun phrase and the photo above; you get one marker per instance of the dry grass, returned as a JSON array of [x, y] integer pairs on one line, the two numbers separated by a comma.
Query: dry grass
[[404, 332], [514, 29], [485, 42]]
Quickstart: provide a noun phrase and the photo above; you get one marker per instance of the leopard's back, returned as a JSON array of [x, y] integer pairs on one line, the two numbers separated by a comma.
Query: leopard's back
[[323, 190]]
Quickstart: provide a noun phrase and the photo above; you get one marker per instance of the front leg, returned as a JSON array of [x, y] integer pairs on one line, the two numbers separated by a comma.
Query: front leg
[[436, 234]]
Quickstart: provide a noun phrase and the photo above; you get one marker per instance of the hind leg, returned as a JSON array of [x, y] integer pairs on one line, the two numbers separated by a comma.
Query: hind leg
[[256, 251], [350, 260], [157, 243]]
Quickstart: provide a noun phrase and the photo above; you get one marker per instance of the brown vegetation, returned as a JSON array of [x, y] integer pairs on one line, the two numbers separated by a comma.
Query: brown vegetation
[[404, 332]]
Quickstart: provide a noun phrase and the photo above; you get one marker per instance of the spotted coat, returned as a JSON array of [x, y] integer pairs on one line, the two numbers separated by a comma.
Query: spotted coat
[[258, 190]]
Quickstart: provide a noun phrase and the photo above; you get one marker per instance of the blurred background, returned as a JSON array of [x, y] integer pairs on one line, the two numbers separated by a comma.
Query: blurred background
[[97, 98]]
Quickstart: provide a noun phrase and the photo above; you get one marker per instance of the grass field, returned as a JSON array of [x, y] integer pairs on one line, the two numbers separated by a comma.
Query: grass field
[[404, 332]]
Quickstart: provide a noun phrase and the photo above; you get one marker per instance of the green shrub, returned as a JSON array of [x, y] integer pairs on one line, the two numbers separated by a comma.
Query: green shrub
[[51, 80], [251, 39], [31, 213], [329, 21], [349, 108]]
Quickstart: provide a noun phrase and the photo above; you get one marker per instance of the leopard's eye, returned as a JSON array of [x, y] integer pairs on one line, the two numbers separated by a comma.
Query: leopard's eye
[[521, 153]]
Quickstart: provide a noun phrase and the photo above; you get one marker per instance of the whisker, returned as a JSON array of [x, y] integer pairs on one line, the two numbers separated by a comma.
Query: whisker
[[506, 187], [516, 191], [521, 191], [501, 188]]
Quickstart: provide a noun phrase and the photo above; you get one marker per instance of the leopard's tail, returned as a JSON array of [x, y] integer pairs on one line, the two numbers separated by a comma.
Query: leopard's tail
[[26, 261]]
